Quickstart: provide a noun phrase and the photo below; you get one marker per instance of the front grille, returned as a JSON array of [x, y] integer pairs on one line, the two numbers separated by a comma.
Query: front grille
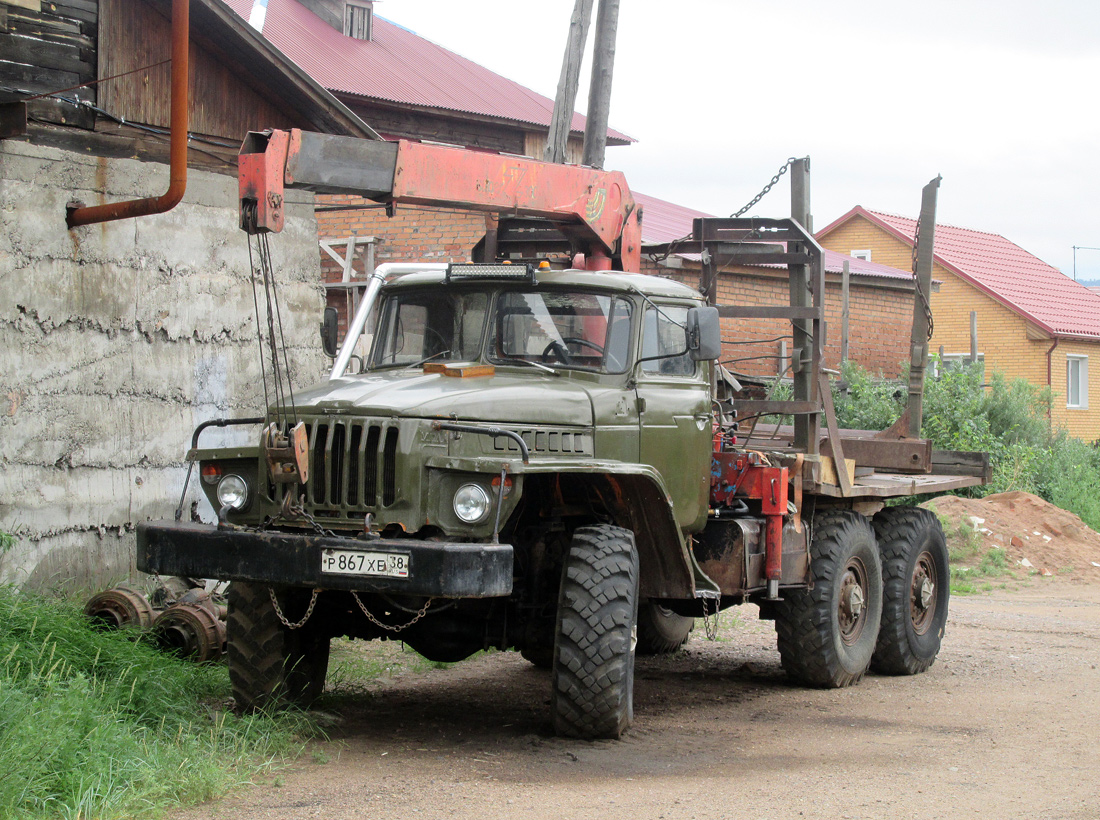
[[349, 460]]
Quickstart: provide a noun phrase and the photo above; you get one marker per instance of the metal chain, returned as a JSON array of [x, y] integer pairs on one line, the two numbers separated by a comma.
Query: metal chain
[[317, 527], [710, 620], [423, 611], [916, 282], [298, 510], [768, 187], [764, 192], [169, 598], [279, 612]]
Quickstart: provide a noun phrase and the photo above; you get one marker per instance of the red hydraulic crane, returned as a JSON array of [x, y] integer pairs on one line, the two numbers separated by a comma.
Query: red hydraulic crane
[[594, 209]]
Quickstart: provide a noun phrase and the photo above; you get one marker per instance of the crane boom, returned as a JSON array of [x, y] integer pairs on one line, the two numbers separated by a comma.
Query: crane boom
[[594, 209]]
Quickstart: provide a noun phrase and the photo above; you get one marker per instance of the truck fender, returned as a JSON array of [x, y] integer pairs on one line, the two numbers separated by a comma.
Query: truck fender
[[640, 503]]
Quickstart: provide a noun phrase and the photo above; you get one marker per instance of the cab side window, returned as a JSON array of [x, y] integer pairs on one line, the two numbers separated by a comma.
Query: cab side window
[[663, 337]]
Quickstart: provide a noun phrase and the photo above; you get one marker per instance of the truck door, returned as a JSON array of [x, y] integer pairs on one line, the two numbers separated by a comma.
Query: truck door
[[675, 413]]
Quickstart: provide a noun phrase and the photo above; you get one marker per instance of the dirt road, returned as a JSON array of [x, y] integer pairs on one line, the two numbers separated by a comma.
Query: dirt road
[[1005, 725]]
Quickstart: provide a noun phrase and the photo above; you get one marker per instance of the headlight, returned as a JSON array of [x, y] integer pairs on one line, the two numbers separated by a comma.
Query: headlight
[[233, 492], [471, 503]]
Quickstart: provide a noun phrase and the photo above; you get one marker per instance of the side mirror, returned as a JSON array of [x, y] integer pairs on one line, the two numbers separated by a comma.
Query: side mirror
[[704, 334], [330, 332]]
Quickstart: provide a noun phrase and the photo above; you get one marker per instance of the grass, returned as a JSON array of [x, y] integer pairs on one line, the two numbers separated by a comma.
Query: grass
[[353, 664], [972, 563], [98, 725]]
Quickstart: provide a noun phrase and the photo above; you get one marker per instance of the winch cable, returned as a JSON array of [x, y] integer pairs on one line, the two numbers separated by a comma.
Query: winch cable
[[259, 335], [275, 335]]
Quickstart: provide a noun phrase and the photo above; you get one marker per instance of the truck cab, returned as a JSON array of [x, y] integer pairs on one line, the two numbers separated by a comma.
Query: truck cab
[[487, 414]]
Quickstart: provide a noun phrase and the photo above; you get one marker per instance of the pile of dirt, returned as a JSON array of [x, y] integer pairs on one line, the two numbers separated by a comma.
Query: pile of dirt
[[1035, 535]]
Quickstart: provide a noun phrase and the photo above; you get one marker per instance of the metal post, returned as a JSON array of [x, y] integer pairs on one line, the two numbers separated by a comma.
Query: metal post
[[708, 278], [919, 339], [844, 315], [973, 336], [803, 353]]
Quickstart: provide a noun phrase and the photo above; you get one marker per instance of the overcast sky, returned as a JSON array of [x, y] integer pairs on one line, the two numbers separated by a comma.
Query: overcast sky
[[1001, 97]]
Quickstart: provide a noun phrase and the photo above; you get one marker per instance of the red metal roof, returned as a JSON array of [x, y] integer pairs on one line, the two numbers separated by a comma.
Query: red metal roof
[[402, 67], [1002, 269], [663, 222]]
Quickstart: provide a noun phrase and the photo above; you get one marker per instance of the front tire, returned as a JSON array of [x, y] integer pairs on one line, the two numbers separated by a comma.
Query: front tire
[[271, 666], [661, 631], [593, 671], [916, 588], [827, 634]]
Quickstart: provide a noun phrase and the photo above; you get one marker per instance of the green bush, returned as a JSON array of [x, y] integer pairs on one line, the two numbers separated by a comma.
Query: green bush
[[1007, 419], [869, 403], [97, 724]]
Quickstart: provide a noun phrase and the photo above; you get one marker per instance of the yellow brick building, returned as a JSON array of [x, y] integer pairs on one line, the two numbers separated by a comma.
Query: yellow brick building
[[1033, 322]]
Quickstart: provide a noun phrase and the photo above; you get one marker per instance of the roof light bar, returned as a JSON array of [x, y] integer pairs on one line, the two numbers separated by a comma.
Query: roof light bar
[[460, 271]]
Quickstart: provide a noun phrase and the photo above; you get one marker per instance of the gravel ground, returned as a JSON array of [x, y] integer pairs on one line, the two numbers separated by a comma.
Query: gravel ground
[[1006, 724]]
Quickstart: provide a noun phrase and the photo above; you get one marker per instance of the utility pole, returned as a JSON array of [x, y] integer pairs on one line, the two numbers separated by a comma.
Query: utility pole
[[557, 139], [599, 92]]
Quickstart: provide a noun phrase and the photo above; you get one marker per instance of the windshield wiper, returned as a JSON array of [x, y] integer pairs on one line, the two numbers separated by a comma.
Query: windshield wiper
[[529, 363], [426, 359]]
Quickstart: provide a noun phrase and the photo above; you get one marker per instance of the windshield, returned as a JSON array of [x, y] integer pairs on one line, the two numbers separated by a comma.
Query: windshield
[[437, 325], [556, 328]]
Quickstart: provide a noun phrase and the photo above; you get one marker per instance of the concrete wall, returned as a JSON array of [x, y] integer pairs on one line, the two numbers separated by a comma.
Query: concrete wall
[[115, 341]]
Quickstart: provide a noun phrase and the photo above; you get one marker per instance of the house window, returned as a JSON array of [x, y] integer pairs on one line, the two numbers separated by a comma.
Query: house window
[[1077, 382], [953, 361], [357, 20], [864, 254]]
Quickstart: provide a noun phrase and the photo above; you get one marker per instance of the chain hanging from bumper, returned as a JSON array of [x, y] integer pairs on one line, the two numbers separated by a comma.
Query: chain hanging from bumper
[[423, 611], [279, 612], [710, 619]]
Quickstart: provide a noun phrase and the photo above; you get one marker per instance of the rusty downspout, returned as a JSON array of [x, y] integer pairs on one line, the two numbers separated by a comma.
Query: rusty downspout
[[1050, 382], [178, 141]]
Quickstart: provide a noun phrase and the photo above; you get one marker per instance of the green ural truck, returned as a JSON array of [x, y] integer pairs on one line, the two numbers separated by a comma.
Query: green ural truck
[[552, 461]]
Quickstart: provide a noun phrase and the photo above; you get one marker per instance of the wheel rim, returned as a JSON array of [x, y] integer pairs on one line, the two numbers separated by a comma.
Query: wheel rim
[[852, 603], [923, 593]]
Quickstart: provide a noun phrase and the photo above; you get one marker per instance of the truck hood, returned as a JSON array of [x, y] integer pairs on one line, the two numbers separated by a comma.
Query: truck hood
[[504, 398]]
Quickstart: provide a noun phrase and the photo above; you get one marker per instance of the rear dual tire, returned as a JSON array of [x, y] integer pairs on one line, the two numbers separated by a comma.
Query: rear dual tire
[[827, 634], [916, 589]]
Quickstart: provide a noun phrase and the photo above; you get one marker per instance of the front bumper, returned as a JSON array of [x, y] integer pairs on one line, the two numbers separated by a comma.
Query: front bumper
[[436, 569]]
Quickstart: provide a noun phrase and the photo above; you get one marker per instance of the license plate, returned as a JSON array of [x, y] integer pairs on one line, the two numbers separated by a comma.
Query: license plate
[[353, 562]]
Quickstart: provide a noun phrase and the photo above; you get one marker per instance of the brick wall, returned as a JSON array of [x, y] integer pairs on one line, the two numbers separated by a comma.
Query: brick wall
[[410, 235], [1084, 423], [859, 233], [880, 316]]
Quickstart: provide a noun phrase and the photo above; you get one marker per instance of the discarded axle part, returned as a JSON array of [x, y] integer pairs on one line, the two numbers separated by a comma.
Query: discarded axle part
[[121, 607], [192, 631]]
